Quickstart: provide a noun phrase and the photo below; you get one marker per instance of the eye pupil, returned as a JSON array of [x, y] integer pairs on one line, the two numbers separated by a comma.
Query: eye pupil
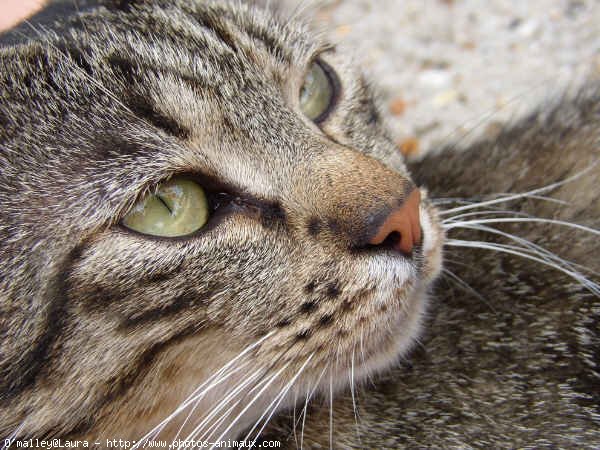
[[162, 200], [317, 92]]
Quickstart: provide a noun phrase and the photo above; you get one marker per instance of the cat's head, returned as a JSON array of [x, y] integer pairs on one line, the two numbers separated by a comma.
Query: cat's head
[[188, 183]]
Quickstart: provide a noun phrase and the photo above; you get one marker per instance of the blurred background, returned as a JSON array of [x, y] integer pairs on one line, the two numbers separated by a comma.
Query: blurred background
[[451, 70], [455, 69]]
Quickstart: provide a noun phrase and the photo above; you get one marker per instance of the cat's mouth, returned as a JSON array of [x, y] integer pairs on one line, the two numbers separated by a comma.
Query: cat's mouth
[[389, 320], [372, 316]]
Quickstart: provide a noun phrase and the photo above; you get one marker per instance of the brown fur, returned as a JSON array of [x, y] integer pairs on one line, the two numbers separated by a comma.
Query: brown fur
[[105, 331], [122, 98]]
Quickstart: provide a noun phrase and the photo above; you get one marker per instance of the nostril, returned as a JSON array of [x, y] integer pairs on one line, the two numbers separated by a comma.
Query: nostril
[[391, 241], [401, 229]]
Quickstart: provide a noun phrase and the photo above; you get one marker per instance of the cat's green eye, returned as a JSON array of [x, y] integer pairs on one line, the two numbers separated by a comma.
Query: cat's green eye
[[178, 207], [317, 93]]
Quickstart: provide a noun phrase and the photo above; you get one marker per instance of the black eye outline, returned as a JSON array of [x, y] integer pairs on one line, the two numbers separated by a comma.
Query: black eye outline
[[334, 84], [219, 199], [154, 192], [223, 200]]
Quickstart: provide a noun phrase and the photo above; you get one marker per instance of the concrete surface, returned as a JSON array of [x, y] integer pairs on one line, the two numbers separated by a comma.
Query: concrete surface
[[452, 69]]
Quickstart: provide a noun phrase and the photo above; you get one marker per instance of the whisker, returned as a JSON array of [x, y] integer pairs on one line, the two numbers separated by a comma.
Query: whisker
[[466, 201], [446, 200], [273, 406], [220, 376], [237, 418], [540, 190], [519, 220], [224, 402], [588, 284], [465, 286], [217, 423], [419, 342], [198, 398], [543, 198], [191, 399], [494, 212], [453, 261], [330, 410], [8, 442], [294, 423], [353, 398], [274, 363], [309, 395], [531, 247], [362, 348]]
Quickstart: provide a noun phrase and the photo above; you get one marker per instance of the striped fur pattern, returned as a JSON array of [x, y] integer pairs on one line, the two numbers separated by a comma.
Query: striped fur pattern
[[105, 332], [271, 308]]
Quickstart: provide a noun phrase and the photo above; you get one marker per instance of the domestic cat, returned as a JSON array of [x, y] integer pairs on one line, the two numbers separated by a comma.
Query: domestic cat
[[188, 109], [302, 265]]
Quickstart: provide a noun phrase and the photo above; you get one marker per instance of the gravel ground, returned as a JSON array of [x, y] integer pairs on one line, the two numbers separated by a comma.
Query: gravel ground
[[455, 69]]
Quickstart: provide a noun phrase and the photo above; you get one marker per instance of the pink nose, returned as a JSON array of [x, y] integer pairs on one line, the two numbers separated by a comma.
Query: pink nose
[[402, 225]]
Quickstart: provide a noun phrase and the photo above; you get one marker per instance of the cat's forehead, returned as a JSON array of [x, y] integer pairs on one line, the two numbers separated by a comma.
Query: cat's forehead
[[201, 67], [186, 64], [222, 77], [198, 37], [208, 87]]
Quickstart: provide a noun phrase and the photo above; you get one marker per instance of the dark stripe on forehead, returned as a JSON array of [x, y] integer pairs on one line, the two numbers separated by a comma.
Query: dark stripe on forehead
[[226, 30], [148, 32], [132, 70], [194, 35], [221, 28], [142, 104], [226, 25], [144, 108], [271, 42], [194, 54]]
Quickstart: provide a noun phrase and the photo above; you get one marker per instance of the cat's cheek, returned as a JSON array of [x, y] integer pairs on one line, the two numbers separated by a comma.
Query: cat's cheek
[[168, 380]]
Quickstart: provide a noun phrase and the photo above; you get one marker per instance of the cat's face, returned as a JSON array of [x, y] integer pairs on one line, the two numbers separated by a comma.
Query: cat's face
[[120, 325]]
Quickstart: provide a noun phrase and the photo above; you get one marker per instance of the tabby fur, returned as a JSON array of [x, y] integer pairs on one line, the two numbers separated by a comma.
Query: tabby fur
[[104, 332]]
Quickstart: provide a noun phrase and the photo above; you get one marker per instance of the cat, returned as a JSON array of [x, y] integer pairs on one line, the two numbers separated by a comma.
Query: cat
[[117, 313], [302, 266]]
